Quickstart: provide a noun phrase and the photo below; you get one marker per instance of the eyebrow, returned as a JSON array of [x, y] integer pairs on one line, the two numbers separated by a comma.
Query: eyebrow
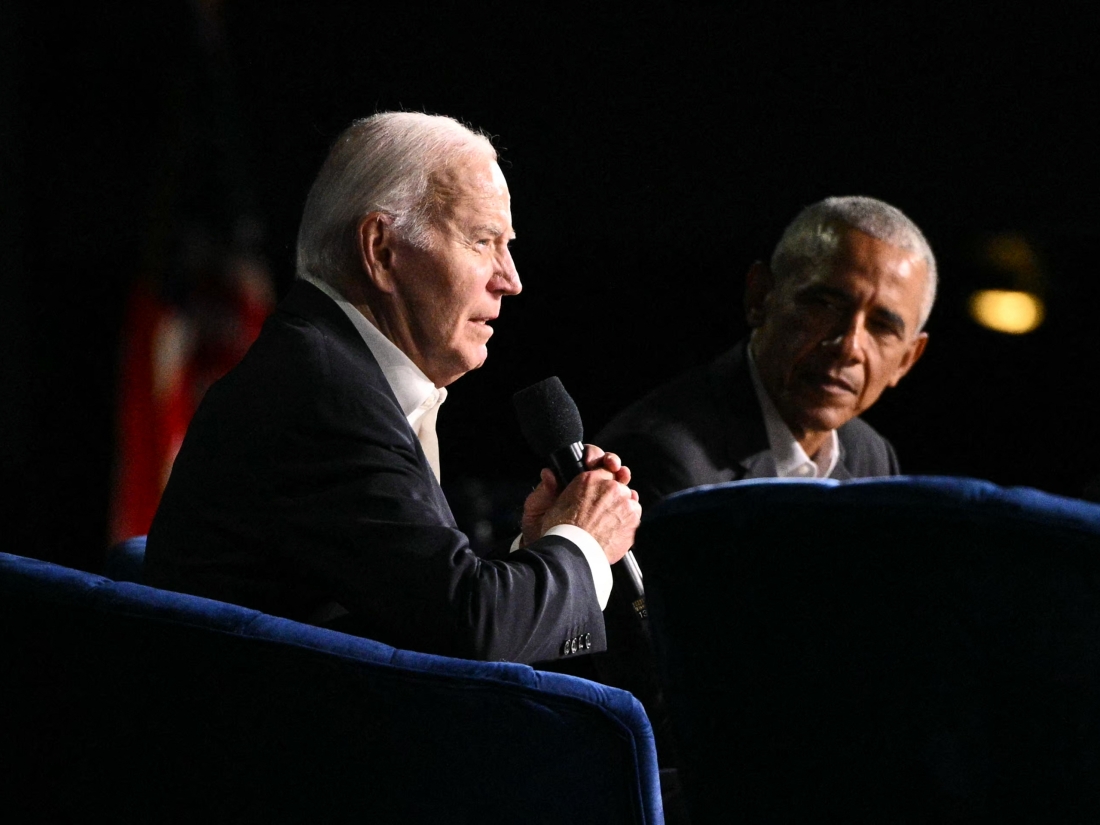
[[493, 230], [881, 313], [892, 318]]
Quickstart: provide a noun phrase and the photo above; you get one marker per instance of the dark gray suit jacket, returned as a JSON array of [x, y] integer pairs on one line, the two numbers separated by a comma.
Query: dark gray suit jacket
[[300, 484], [705, 427]]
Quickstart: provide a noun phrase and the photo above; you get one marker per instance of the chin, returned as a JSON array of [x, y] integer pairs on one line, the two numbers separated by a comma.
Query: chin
[[477, 357], [821, 419], [463, 364], [836, 420]]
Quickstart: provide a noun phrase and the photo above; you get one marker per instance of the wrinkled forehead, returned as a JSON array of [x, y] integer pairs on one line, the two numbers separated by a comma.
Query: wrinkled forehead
[[470, 177], [856, 252], [474, 196], [895, 274]]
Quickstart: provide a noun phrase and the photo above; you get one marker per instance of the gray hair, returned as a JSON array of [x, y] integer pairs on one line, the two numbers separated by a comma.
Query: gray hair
[[811, 238], [390, 162]]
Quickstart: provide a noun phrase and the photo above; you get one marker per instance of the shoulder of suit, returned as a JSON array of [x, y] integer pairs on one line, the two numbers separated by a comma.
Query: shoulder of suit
[[313, 353], [866, 451], [858, 430], [678, 404]]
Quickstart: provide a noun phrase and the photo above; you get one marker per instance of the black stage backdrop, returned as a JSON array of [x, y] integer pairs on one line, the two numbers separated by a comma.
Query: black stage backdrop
[[652, 153]]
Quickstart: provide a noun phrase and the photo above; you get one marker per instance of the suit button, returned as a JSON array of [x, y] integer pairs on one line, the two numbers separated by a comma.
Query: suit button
[[574, 644], [587, 640], [565, 648]]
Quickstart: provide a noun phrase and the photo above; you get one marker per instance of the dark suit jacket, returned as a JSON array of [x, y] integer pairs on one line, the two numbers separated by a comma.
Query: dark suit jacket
[[703, 427], [300, 484], [706, 427]]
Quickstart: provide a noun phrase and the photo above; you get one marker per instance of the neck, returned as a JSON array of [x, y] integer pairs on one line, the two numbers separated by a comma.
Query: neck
[[356, 293], [391, 325], [368, 313], [811, 440]]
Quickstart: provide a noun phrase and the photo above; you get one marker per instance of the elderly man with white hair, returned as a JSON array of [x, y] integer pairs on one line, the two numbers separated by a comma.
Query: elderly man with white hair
[[307, 485], [836, 317]]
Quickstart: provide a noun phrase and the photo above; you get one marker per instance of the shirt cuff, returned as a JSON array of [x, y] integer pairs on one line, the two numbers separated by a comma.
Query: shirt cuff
[[593, 554]]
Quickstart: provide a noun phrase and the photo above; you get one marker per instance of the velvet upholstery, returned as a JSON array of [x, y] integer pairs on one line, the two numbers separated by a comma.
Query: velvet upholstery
[[125, 560], [880, 650], [145, 705]]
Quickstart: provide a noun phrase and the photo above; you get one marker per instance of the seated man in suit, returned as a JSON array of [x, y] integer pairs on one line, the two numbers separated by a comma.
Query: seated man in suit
[[307, 485], [836, 318]]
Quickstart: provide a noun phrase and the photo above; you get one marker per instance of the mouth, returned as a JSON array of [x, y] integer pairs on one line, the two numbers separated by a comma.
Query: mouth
[[829, 384], [483, 323]]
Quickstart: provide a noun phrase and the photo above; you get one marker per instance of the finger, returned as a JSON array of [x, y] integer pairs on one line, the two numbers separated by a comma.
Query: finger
[[623, 474], [600, 474], [548, 479], [612, 462], [592, 456]]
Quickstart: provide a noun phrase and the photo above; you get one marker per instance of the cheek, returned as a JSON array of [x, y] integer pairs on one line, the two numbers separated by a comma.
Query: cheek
[[879, 372], [891, 371], [460, 307], [801, 337]]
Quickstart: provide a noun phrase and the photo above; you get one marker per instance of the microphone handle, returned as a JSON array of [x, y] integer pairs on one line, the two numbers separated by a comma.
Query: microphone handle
[[568, 463]]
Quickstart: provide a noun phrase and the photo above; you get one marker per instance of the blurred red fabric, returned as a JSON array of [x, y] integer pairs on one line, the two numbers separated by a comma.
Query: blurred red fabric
[[171, 353]]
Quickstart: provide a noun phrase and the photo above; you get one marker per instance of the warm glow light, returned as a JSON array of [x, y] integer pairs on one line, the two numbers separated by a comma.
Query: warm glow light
[[1006, 311]]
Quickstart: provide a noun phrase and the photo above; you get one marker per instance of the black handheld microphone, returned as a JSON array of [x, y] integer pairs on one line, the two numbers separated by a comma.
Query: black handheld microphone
[[552, 426]]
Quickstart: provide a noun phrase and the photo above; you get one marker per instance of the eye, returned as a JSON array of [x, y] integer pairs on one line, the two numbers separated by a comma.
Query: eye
[[884, 328], [824, 300]]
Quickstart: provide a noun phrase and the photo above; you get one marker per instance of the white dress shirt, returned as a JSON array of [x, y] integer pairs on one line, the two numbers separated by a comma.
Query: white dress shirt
[[786, 458], [420, 401]]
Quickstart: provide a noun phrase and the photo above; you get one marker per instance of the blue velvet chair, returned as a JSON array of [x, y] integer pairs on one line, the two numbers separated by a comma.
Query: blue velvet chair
[[125, 560], [888, 650], [135, 704]]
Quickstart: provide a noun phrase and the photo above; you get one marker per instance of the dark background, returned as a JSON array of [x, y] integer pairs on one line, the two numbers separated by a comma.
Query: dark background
[[653, 153]]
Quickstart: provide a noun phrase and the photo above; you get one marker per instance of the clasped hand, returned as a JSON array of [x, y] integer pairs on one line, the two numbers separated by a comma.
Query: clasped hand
[[598, 501]]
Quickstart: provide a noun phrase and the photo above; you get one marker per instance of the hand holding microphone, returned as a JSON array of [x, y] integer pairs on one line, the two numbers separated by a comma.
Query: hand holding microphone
[[599, 502], [584, 485]]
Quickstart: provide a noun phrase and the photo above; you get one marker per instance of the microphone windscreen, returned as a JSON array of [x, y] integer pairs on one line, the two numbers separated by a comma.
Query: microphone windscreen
[[548, 417]]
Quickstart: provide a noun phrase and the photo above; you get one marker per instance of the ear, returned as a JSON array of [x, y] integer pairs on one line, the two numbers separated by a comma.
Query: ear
[[375, 239], [758, 285], [912, 355]]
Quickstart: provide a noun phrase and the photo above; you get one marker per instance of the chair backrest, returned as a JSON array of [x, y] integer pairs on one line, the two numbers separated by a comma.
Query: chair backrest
[[148, 706], [126, 560], [901, 650]]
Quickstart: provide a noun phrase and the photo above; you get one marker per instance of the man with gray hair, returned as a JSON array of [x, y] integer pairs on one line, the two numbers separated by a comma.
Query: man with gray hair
[[307, 485], [836, 317]]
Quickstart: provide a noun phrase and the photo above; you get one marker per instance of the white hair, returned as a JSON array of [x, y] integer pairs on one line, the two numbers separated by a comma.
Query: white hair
[[391, 162], [811, 238]]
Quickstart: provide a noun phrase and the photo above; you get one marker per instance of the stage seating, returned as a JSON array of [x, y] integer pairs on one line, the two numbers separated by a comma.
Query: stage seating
[[126, 560], [890, 650], [133, 704]]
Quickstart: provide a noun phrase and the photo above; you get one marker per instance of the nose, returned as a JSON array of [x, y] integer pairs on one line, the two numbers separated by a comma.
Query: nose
[[849, 339], [506, 278]]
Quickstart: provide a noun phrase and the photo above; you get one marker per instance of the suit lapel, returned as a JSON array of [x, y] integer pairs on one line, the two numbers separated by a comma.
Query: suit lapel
[[840, 471], [745, 435], [306, 301]]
